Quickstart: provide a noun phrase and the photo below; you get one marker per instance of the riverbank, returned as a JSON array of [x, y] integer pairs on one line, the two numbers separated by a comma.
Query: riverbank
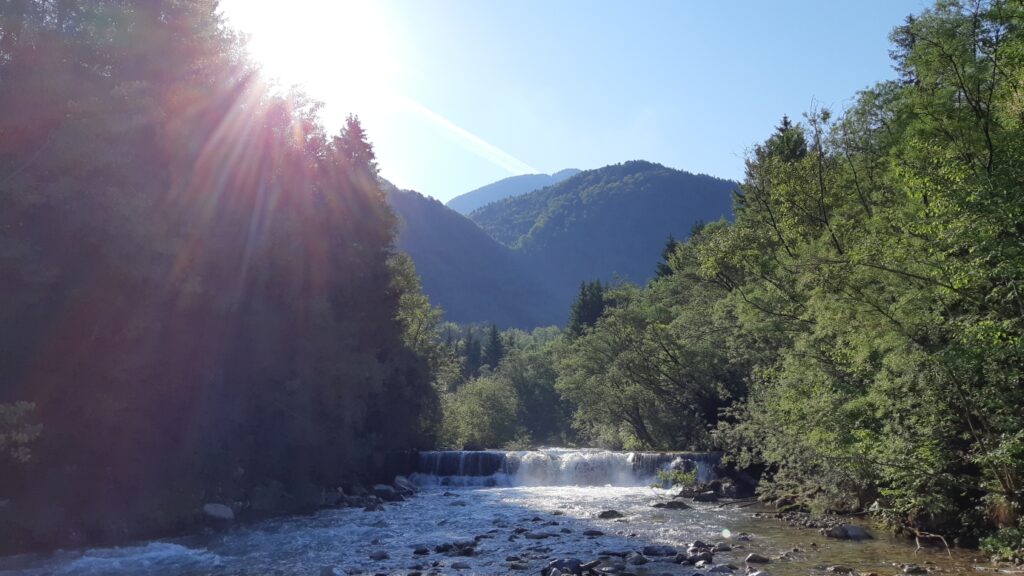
[[503, 530]]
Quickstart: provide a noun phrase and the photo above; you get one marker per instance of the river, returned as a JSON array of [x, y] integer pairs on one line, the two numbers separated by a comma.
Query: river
[[536, 511]]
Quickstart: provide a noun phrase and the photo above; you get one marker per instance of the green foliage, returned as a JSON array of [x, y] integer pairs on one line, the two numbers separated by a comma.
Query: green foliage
[[586, 308], [671, 478], [481, 414], [1006, 545], [196, 281]]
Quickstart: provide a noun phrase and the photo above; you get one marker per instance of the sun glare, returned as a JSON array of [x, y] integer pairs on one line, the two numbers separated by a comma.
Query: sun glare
[[338, 51]]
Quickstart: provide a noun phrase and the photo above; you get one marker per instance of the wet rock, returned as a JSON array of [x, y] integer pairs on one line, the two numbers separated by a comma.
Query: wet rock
[[610, 514], [512, 558], [619, 553], [379, 555], [564, 566], [538, 535], [373, 506], [672, 505], [839, 569], [759, 573], [846, 532], [756, 559], [518, 566], [659, 550], [443, 548], [218, 512], [914, 569], [721, 547], [387, 493], [592, 533], [421, 551], [331, 571], [636, 559], [405, 486], [460, 566], [719, 569], [702, 556], [462, 503], [708, 496]]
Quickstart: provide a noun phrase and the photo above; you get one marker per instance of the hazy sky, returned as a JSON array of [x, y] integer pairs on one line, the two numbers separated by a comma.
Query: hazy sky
[[459, 93]]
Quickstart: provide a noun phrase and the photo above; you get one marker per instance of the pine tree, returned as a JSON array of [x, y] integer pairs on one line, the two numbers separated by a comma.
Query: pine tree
[[494, 348], [586, 308], [664, 268], [473, 355]]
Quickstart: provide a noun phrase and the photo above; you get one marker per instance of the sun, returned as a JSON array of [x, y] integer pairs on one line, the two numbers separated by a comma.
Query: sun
[[337, 51]]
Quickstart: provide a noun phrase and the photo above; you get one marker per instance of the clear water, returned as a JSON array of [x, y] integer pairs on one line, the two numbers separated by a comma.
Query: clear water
[[345, 539]]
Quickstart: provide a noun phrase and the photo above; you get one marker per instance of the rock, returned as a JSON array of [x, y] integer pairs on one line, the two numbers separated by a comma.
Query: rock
[[708, 496], [405, 486], [379, 555], [659, 550], [703, 555], [331, 571], [839, 569], [462, 503], [218, 512], [756, 559], [610, 514], [421, 551], [593, 533], [564, 566], [373, 507], [672, 505], [512, 558], [721, 547], [518, 566], [914, 569], [846, 532], [460, 566], [636, 559], [759, 573], [538, 535], [387, 493], [720, 569]]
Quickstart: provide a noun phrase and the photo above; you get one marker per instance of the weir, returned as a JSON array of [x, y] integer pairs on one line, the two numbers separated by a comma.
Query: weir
[[557, 467]]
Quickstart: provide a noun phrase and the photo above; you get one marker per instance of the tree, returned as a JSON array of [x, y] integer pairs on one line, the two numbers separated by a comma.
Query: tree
[[586, 308], [663, 268], [493, 348]]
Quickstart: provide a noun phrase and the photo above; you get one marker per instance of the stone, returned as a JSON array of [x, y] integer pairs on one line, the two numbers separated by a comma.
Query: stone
[[387, 493], [379, 555], [659, 550], [421, 551], [218, 512], [846, 532], [756, 559], [512, 558], [721, 547], [460, 566], [636, 559], [708, 496], [518, 566], [839, 569], [719, 569], [405, 486], [593, 533], [331, 571], [564, 566], [914, 569], [610, 514]]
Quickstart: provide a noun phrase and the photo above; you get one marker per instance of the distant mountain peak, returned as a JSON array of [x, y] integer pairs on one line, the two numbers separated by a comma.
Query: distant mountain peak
[[506, 188]]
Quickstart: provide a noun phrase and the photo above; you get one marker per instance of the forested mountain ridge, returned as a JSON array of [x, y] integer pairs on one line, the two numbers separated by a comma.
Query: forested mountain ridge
[[468, 274], [604, 223], [505, 188]]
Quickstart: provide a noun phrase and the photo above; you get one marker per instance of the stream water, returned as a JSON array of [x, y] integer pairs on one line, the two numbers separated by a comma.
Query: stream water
[[554, 497]]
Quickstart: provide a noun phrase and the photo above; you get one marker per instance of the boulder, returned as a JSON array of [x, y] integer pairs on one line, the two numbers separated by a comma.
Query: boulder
[[379, 555], [218, 512], [387, 493], [636, 559], [720, 569], [460, 566], [405, 486], [593, 533], [564, 566], [708, 496], [659, 550], [914, 569], [839, 569], [756, 559], [846, 532], [610, 514]]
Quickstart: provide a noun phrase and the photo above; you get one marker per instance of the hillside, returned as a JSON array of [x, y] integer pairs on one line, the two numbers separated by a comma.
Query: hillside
[[471, 276], [506, 188], [604, 223]]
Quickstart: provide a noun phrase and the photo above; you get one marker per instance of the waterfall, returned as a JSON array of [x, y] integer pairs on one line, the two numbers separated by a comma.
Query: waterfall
[[557, 467]]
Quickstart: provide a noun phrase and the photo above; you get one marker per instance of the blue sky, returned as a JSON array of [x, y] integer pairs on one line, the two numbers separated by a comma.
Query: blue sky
[[459, 93]]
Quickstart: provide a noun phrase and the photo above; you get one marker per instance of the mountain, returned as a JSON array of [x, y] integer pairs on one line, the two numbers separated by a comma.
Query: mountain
[[463, 270], [518, 261], [513, 186], [605, 223]]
